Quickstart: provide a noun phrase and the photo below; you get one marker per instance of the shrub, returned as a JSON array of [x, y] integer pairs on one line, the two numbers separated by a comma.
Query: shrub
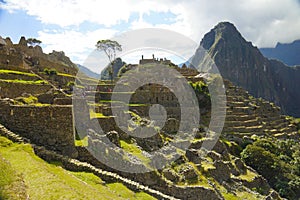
[[50, 72]]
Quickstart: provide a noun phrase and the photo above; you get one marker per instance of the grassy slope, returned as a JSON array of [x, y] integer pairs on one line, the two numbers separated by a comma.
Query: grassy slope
[[50, 181]]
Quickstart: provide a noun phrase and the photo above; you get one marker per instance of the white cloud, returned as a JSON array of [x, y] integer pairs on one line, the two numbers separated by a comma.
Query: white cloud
[[264, 22], [75, 44], [74, 12]]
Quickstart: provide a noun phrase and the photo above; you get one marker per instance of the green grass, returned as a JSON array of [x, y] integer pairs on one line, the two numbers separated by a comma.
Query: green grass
[[50, 181], [241, 195], [4, 71], [135, 151], [78, 77], [82, 143], [11, 183], [249, 176], [97, 115], [30, 100], [137, 104], [67, 75], [207, 165], [110, 101], [128, 194], [38, 82]]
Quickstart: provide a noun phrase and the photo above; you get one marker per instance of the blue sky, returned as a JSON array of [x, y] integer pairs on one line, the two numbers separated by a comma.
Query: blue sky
[[75, 26]]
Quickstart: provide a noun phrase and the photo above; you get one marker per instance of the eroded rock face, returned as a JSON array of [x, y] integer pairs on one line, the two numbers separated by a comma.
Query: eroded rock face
[[243, 64], [61, 57]]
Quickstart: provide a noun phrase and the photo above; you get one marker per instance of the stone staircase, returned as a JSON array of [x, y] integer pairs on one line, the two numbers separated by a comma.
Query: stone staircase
[[247, 115]]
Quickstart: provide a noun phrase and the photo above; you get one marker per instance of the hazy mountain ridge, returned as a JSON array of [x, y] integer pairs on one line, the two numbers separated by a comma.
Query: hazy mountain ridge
[[88, 72], [287, 53]]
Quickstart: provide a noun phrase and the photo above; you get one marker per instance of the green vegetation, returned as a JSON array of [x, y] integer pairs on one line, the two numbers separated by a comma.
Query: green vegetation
[[27, 100], [4, 71], [133, 149], [200, 87], [33, 41], [97, 115], [279, 162], [249, 176], [125, 193], [50, 72], [11, 183], [241, 195], [38, 82], [51, 181], [82, 143]]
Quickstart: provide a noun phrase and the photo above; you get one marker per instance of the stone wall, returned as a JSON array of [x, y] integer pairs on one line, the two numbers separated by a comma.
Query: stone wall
[[13, 90], [49, 126]]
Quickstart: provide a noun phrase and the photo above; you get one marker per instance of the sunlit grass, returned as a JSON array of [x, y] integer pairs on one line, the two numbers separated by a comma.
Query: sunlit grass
[[82, 143], [135, 151], [4, 71], [38, 82], [51, 182]]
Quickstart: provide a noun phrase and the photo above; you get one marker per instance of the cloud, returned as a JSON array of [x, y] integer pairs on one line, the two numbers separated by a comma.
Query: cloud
[[75, 44], [264, 22], [74, 12]]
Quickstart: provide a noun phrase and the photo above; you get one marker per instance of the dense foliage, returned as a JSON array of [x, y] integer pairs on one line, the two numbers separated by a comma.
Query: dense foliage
[[279, 162]]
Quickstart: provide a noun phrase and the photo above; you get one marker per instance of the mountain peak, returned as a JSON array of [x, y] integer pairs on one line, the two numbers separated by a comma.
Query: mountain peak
[[223, 30], [225, 26], [243, 64]]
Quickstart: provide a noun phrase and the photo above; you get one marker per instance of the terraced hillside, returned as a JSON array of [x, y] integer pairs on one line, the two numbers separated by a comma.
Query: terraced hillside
[[36, 103], [247, 115], [29, 177]]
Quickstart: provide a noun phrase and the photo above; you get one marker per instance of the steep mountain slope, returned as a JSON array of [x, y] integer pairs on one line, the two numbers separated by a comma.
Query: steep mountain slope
[[88, 72], [244, 65], [287, 53]]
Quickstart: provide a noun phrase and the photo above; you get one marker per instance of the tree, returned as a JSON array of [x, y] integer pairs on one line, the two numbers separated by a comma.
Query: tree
[[109, 47], [33, 41]]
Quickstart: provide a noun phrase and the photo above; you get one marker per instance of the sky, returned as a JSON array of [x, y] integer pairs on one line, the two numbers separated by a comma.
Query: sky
[[74, 26]]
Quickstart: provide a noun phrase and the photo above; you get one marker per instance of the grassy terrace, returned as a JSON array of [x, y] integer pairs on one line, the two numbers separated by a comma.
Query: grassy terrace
[[50, 181], [97, 115], [4, 71], [79, 77], [133, 149], [38, 82]]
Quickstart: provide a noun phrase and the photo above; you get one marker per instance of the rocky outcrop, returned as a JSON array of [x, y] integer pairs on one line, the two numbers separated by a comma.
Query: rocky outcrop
[[59, 56]]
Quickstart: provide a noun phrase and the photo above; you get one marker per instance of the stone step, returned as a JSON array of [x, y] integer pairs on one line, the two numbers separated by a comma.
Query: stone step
[[247, 123], [244, 129], [240, 117], [236, 103], [243, 109]]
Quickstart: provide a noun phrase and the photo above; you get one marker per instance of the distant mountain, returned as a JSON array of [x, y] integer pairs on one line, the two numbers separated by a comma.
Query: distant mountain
[[287, 53], [244, 65], [118, 64], [88, 72]]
